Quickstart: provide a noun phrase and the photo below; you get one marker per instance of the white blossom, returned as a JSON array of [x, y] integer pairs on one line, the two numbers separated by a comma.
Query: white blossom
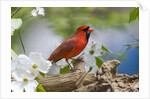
[[15, 24], [24, 69], [38, 11], [34, 63], [24, 81], [91, 51]]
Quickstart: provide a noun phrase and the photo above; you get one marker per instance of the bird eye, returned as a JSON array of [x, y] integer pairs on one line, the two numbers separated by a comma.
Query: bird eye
[[86, 29]]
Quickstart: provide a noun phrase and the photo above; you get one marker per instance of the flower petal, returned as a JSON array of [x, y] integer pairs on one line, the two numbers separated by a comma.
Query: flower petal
[[54, 70], [44, 66], [17, 86], [62, 63], [97, 52], [29, 76], [34, 12], [34, 83], [36, 57], [38, 8], [40, 11], [16, 23], [95, 45], [33, 72], [25, 61], [17, 74], [31, 86], [88, 48], [14, 64], [90, 60]]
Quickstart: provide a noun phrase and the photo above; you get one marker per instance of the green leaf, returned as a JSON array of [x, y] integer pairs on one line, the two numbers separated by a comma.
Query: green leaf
[[37, 78], [39, 88], [134, 14], [65, 69], [105, 49], [90, 69], [127, 44], [15, 32], [99, 62], [73, 62], [13, 55], [42, 74], [122, 56], [16, 23]]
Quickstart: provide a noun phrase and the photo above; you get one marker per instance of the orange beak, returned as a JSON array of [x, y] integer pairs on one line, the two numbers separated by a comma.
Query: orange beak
[[90, 30]]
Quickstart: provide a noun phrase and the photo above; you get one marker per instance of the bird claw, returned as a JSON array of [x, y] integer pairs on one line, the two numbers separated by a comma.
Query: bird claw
[[74, 69], [78, 60]]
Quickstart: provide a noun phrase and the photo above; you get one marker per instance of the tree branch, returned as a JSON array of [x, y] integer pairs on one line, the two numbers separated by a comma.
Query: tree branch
[[21, 41], [16, 11]]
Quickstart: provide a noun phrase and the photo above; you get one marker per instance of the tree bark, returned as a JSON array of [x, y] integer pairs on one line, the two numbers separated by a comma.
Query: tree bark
[[68, 81]]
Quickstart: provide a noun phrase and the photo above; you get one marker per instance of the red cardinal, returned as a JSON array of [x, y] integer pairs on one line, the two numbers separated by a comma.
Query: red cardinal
[[72, 46]]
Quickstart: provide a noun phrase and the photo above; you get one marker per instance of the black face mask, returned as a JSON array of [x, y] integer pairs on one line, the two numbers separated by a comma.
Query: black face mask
[[87, 34]]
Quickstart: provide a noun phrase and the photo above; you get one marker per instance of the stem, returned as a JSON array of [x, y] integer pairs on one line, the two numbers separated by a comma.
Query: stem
[[19, 31], [21, 41], [16, 11], [27, 18]]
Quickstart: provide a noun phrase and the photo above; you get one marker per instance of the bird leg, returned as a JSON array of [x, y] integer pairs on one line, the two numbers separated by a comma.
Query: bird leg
[[72, 68]]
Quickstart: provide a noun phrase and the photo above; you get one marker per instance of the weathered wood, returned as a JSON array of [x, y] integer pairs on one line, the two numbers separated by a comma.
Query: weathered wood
[[68, 81], [108, 80], [65, 82], [87, 88]]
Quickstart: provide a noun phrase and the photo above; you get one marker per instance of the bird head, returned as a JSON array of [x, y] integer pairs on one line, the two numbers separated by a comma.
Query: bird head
[[86, 29]]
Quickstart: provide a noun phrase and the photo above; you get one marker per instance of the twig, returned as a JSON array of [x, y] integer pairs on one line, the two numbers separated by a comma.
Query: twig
[[26, 18], [21, 42], [16, 11]]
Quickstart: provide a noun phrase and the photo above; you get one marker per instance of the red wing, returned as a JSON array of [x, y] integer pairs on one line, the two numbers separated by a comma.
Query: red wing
[[63, 50]]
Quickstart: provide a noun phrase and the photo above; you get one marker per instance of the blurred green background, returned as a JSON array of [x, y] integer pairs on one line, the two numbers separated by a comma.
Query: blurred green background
[[111, 28]]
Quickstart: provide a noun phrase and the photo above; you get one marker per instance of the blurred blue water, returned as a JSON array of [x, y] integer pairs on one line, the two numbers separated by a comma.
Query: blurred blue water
[[130, 66]]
